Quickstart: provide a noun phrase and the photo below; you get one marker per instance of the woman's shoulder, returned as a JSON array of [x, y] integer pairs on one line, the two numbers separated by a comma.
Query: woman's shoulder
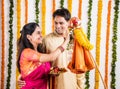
[[27, 50], [30, 53]]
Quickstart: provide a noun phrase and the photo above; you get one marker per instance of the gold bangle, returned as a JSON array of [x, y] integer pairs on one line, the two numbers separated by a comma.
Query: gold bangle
[[61, 48]]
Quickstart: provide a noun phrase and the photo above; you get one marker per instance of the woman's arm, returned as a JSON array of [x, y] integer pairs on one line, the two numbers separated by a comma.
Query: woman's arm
[[33, 55], [52, 56]]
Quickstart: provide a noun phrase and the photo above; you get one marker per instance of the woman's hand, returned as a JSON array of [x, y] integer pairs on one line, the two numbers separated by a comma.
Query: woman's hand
[[20, 82], [74, 22]]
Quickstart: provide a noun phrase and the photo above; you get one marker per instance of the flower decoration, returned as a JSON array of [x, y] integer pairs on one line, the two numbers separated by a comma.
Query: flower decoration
[[74, 23], [98, 41], [53, 9], [43, 17], [10, 50], [107, 43], [114, 45], [87, 77], [61, 3], [26, 11], [80, 9], [37, 10], [3, 45], [70, 5], [55, 71]]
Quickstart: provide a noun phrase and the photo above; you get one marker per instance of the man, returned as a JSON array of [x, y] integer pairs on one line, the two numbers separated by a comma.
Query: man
[[67, 80]]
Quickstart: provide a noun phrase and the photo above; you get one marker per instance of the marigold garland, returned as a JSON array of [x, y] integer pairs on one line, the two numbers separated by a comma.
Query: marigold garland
[[82, 38], [70, 5], [87, 85], [107, 43], [3, 46], [18, 32], [53, 9], [11, 12], [80, 9], [18, 18], [114, 46], [99, 17], [26, 11], [43, 16]]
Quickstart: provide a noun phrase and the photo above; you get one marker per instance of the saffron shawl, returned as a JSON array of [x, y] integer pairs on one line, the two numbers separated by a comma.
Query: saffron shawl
[[82, 60]]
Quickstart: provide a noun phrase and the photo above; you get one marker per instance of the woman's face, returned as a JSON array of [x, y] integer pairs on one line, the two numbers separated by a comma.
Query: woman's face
[[61, 25], [36, 37]]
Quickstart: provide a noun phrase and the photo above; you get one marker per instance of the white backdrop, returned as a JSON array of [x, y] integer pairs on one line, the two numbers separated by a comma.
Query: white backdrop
[[31, 18]]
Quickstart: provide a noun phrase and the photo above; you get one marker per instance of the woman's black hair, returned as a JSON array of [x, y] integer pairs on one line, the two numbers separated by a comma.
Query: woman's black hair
[[23, 42]]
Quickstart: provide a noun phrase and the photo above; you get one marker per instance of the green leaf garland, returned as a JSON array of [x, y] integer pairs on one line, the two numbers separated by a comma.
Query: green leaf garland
[[37, 11], [114, 46], [87, 85], [10, 43], [61, 3]]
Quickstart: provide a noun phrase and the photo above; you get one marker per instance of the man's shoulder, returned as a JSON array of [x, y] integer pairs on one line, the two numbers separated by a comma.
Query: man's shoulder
[[50, 35]]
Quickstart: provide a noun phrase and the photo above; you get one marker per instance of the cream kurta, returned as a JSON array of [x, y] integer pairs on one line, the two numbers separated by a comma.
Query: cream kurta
[[66, 80]]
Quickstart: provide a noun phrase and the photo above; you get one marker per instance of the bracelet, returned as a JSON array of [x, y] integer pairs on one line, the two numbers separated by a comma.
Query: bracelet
[[61, 48]]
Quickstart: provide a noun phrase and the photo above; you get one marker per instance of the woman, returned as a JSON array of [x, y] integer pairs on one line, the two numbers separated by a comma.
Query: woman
[[33, 65]]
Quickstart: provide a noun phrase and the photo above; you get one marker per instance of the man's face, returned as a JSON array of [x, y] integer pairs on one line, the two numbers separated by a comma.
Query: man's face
[[61, 25]]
